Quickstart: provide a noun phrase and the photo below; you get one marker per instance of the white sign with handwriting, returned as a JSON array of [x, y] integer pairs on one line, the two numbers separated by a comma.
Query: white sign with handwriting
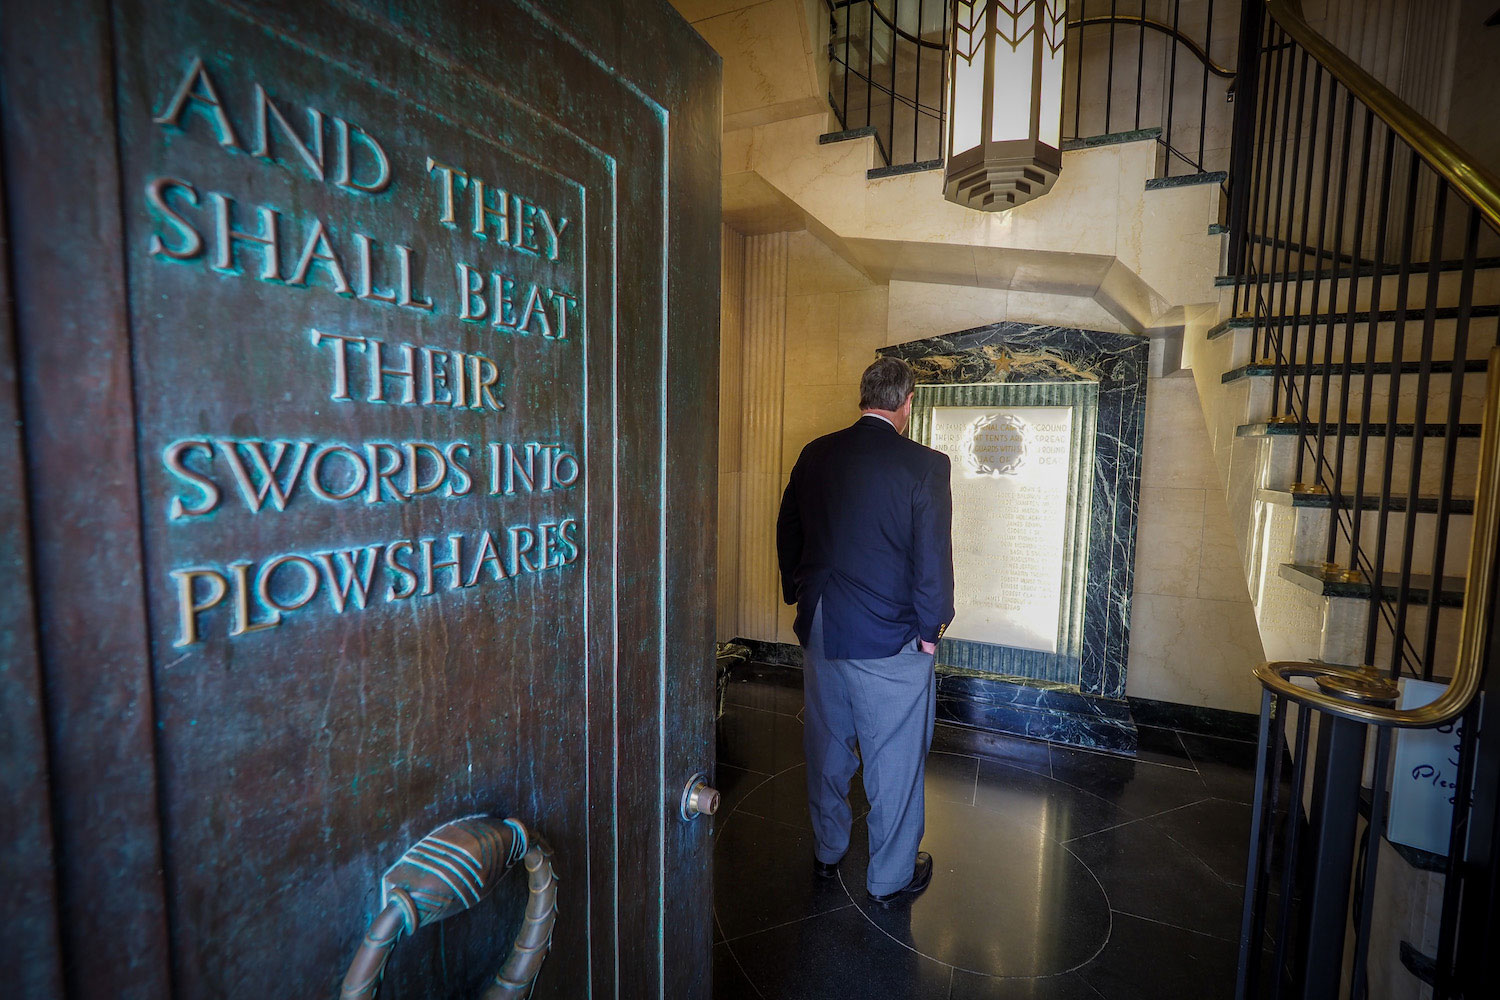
[[1424, 783]]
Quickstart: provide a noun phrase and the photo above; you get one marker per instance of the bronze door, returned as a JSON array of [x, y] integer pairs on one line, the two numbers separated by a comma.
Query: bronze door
[[363, 355]]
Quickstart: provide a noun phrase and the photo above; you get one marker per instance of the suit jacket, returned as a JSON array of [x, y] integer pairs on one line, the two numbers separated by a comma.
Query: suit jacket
[[866, 528]]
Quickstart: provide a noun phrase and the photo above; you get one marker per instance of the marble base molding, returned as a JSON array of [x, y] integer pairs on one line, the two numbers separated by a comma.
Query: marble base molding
[[1219, 722], [1021, 706], [781, 654]]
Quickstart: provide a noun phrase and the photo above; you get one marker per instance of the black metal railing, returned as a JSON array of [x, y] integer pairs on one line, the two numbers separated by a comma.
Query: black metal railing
[[1355, 265], [889, 74], [1130, 66], [1149, 65], [1363, 251]]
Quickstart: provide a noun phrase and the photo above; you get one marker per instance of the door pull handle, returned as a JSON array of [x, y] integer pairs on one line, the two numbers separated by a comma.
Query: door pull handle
[[446, 872]]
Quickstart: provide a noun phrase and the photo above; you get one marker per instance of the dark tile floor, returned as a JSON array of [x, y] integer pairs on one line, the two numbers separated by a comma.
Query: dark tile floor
[[1060, 874]]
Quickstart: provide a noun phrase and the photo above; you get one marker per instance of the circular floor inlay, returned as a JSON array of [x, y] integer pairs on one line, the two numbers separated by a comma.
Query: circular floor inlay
[[1006, 899]]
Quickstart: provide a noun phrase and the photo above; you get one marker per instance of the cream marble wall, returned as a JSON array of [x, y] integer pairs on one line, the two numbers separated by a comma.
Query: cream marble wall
[[1193, 633], [775, 56]]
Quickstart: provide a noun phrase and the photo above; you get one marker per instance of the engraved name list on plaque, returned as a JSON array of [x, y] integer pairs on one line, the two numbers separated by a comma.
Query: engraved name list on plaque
[[1011, 520]]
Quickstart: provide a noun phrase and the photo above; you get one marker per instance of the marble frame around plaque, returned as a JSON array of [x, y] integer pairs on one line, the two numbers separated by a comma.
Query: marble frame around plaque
[[1002, 691]]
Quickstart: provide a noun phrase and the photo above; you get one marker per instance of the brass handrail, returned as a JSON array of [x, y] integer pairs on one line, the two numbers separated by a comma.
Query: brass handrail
[[1463, 172], [1477, 595]]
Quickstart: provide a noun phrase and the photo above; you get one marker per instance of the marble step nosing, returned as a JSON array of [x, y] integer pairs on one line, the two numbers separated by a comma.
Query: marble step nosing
[[1335, 370], [1310, 578], [1462, 506], [1360, 317], [1350, 431], [1363, 271]]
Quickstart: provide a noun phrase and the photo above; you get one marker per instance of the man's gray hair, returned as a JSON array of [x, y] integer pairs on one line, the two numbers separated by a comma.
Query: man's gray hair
[[886, 384]]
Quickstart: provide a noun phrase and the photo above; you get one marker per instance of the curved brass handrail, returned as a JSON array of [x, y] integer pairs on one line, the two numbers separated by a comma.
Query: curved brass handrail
[[1477, 185], [1477, 597]]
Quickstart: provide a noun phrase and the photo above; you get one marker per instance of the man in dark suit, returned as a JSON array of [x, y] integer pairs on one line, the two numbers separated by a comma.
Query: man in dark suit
[[866, 553]]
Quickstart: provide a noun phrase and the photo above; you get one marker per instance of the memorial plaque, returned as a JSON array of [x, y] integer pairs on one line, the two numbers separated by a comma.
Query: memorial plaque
[[1011, 518], [383, 410]]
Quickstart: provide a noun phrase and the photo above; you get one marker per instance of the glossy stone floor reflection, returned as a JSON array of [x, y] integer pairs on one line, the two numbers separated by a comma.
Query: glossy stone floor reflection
[[1059, 874]]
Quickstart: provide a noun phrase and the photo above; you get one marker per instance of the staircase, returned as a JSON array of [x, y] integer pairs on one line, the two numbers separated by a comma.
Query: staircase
[[1350, 388], [1320, 505]]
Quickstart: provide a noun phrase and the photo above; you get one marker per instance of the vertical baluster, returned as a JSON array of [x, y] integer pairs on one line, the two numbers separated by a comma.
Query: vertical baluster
[[1140, 74], [1418, 439], [1379, 799], [1333, 818], [1312, 150], [1450, 427], [1171, 80], [1258, 865], [1398, 336], [1335, 488], [1083, 16], [848, 30], [1109, 73], [1292, 848], [1263, 232], [870, 68], [942, 121], [1254, 179], [1281, 262], [1346, 372], [895, 49], [916, 104], [1243, 147], [1208, 54], [1384, 184]]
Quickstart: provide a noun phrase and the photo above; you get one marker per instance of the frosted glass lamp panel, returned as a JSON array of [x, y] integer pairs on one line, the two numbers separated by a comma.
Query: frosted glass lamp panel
[[966, 88], [1054, 37], [1013, 80], [1010, 520]]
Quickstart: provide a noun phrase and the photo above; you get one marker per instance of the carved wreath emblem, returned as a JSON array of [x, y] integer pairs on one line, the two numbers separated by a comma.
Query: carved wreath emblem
[[996, 444]]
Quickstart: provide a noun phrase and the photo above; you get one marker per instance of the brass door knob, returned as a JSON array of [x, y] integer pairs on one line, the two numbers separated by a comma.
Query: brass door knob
[[698, 799]]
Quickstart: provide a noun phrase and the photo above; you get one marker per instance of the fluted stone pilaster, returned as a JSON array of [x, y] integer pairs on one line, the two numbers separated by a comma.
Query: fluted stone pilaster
[[763, 360]]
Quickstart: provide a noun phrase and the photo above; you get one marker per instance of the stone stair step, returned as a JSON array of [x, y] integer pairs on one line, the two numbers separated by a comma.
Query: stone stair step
[[1362, 317], [1310, 543], [1461, 505], [1313, 579], [1483, 333], [1307, 291], [1281, 439], [1336, 370], [1351, 400], [1351, 430], [1367, 270]]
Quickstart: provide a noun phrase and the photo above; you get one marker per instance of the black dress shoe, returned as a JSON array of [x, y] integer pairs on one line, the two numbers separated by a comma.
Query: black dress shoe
[[823, 869], [921, 877]]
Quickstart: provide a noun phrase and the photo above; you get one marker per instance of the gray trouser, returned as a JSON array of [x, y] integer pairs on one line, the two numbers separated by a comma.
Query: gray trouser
[[885, 707]]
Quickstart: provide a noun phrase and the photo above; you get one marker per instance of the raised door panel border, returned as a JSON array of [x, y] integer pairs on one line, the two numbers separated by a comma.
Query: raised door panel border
[[209, 709], [30, 963], [63, 202]]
